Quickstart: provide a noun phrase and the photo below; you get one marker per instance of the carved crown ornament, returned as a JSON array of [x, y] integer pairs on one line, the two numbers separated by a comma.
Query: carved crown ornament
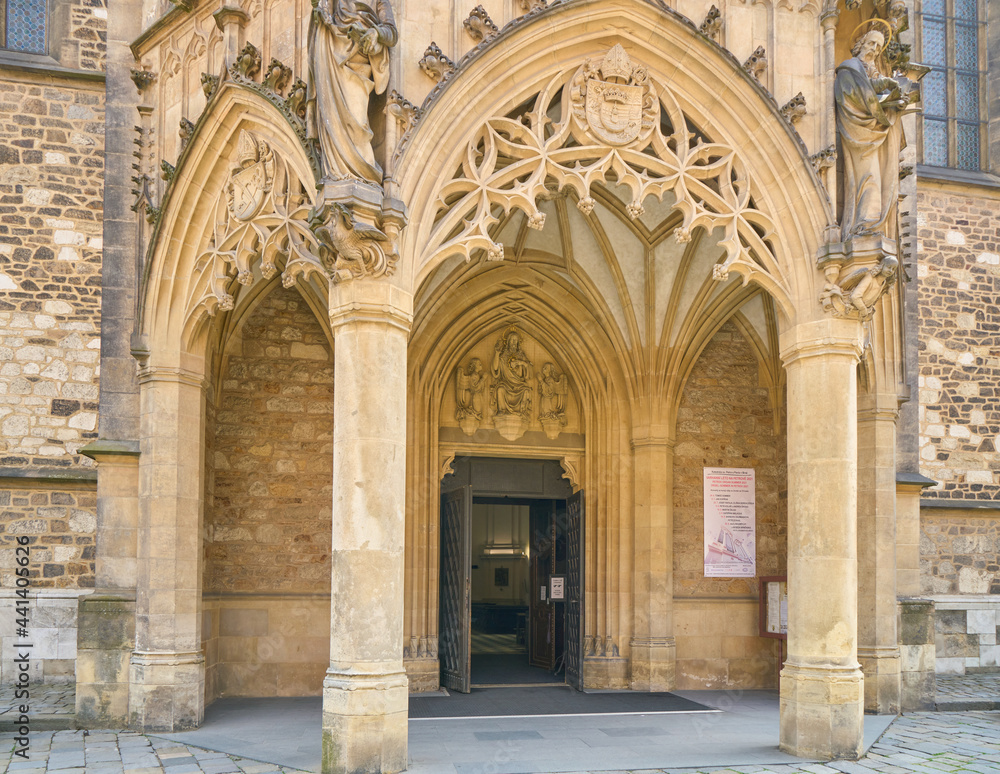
[[612, 122]]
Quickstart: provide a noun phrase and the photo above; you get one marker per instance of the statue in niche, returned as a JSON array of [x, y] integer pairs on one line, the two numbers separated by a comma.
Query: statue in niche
[[510, 394], [868, 109], [552, 390], [470, 382], [349, 44]]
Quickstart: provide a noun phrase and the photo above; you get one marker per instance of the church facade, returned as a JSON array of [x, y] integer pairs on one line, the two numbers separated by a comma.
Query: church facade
[[341, 339]]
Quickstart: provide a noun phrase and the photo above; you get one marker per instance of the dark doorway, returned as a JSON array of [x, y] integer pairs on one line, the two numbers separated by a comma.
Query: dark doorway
[[511, 580]]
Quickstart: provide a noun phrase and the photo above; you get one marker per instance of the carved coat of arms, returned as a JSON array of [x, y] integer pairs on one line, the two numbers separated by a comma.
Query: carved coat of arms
[[614, 100], [250, 182]]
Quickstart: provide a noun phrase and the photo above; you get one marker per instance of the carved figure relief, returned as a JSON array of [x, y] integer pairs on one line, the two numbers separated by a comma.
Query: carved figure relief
[[510, 392], [552, 389], [350, 248], [349, 43], [249, 182], [615, 99], [470, 383], [857, 294], [868, 108]]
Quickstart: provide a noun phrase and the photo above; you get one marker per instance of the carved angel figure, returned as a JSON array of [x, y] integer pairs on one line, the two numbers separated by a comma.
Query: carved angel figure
[[349, 44], [552, 389], [469, 384], [868, 107], [511, 393]]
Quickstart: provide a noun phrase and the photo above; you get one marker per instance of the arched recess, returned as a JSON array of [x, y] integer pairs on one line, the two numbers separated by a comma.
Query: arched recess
[[468, 308], [206, 252], [523, 136]]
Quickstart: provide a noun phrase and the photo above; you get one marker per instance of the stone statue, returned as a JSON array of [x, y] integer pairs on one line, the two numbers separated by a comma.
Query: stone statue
[[349, 44], [552, 390], [868, 107], [470, 382], [857, 294], [511, 391]]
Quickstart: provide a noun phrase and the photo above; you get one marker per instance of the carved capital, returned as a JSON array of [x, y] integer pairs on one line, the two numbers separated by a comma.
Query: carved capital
[[351, 248]]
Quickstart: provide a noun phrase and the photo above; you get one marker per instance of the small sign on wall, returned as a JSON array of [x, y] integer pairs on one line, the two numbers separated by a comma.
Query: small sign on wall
[[773, 606], [730, 523], [557, 588]]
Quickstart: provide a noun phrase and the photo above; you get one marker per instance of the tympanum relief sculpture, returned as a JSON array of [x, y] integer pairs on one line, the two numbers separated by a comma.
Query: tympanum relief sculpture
[[470, 383], [869, 106], [552, 389], [510, 392], [349, 43], [520, 398]]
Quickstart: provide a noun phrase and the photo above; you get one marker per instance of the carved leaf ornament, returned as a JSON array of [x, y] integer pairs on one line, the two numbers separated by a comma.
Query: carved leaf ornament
[[603, 123], [262, 219]]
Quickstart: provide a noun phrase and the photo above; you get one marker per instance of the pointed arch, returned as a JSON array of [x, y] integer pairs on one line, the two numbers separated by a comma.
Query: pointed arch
[[201, 254], [768, 200]]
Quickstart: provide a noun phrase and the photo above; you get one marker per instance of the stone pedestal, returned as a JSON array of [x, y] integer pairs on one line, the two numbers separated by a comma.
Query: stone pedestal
[[918, 681], [653, 653], [821, 683], [365, 691], [878, 650], [167, 672]]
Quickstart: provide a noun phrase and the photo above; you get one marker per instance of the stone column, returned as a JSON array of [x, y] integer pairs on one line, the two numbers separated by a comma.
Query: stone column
[[878, 646], [653, 649], [167, 675], [365, 691], [821, 683]]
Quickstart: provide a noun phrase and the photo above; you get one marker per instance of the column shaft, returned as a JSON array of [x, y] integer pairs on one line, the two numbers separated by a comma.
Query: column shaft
[[878, 645], [365, 691], [821, 683], [653, 650], [167, 675]]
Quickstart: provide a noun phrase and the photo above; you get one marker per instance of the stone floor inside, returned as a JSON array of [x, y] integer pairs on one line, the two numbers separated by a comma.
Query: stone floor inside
[[740, 739]]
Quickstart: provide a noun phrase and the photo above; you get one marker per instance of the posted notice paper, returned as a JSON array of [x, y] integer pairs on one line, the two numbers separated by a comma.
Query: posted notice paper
[[730, 523]]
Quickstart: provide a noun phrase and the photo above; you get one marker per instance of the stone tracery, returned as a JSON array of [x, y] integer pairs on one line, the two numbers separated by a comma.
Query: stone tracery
[[563, 144]]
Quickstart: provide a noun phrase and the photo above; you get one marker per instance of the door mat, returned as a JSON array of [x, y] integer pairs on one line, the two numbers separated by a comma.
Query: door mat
[[519, 702]]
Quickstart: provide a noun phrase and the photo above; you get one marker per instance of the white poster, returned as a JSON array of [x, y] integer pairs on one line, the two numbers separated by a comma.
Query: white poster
[[730, 523]]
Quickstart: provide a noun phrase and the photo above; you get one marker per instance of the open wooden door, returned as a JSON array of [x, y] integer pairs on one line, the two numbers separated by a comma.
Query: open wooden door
[[455, 617], [574, 591]]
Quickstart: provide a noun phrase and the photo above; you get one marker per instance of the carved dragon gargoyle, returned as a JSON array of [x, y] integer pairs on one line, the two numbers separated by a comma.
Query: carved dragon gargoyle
[[348, 248]]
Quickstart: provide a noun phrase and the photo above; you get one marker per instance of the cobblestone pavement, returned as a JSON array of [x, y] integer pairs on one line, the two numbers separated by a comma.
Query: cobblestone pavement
[[920, 743], [973, 686], [124, 752]]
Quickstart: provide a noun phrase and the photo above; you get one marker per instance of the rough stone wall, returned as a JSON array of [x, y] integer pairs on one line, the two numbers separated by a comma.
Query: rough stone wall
[[959, 341], [959, 552], [725, 421], [269, 527], [87, 35]]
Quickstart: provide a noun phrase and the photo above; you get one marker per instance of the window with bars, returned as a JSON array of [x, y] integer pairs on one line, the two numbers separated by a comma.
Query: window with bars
[[22, 25], [952, 38]]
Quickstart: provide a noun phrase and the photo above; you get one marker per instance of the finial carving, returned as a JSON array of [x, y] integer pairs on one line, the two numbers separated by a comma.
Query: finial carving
[[248, 62], [404, 111], [479, 25], [277, 77], [209, 83], [793, 110], [712, 25], [296, 99], [757, 63], [184, 131], [435, 64], [824, 159], [142, 79]]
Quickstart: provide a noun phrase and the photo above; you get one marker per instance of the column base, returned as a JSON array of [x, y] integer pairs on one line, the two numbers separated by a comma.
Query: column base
[[166, 691], [654, 664], [917, 650], [364, 722], [822, 712], [880, 667]]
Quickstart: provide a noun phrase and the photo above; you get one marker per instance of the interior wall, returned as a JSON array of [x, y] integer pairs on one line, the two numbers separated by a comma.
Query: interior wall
[[726, 420], [268, 514], [497, 524]]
